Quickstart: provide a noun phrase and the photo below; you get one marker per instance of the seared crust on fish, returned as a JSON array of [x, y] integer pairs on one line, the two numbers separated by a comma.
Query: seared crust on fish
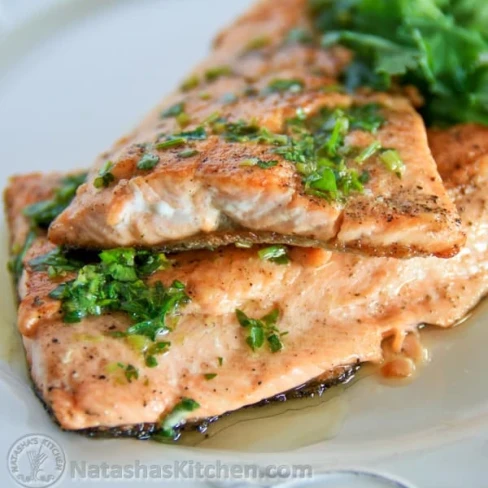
[[204, 188]]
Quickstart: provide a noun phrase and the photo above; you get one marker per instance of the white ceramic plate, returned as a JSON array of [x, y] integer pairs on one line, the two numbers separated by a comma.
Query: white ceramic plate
[[75, 76]]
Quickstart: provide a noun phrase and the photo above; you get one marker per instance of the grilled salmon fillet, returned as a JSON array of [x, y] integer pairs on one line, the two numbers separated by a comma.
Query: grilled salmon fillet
[[258, 147], [336, 309]]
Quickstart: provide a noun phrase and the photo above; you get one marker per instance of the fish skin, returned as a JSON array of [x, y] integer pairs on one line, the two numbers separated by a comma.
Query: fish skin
[[336, 307]]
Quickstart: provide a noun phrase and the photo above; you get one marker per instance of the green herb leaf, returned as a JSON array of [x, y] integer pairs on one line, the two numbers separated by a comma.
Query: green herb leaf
[[258, 43], [275, 254], [174, 110], [214, 74], [41, 214], [260, 163], [323, 180], [299, 36], [255, 339], [169, 425], [131, 373], [274, 342], [148, 161], [170, 143], [262, 329], [366, 117], [183, 120], [56, 263], [188, 153], [282, 85], [368, 152], [16, 264], [199, 134], [190, 83], [393, 161], [155, 349], [209, 376], [105, 177]]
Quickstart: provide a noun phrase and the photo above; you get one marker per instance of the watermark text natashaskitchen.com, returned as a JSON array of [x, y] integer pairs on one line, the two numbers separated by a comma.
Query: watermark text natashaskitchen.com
[[186, 470]]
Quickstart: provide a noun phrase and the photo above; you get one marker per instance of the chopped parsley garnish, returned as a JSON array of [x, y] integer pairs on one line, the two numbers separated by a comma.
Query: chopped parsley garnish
[[299, 36], [174, 110], [240, 131], [170, 143], [175, 140], [213, 118], [318, 149], [117, 283], [282, 85], [258, 43], [220, 361], [170, 423], [276, 254], [148, 161], [190, 83], [261, 330], [41, 214], [368, 152], [105, 177], [129, 371], [315, 144], [209, 376], [199, 134], [148, 348], [16, 263], [155, 349], [365, 117], [393, 162], [188, 153], [439, 46], [260, 163], [56, 263], [183, 120], [214, 74]]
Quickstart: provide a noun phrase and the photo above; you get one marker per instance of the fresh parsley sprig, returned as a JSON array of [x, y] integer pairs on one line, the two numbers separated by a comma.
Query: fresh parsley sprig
[[439, 46]]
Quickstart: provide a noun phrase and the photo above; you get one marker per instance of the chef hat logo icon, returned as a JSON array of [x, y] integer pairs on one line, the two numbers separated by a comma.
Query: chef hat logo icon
[[36, 461]]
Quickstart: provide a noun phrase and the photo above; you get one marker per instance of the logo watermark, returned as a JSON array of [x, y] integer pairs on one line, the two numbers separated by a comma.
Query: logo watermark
[[187, 470], [36, 461]]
